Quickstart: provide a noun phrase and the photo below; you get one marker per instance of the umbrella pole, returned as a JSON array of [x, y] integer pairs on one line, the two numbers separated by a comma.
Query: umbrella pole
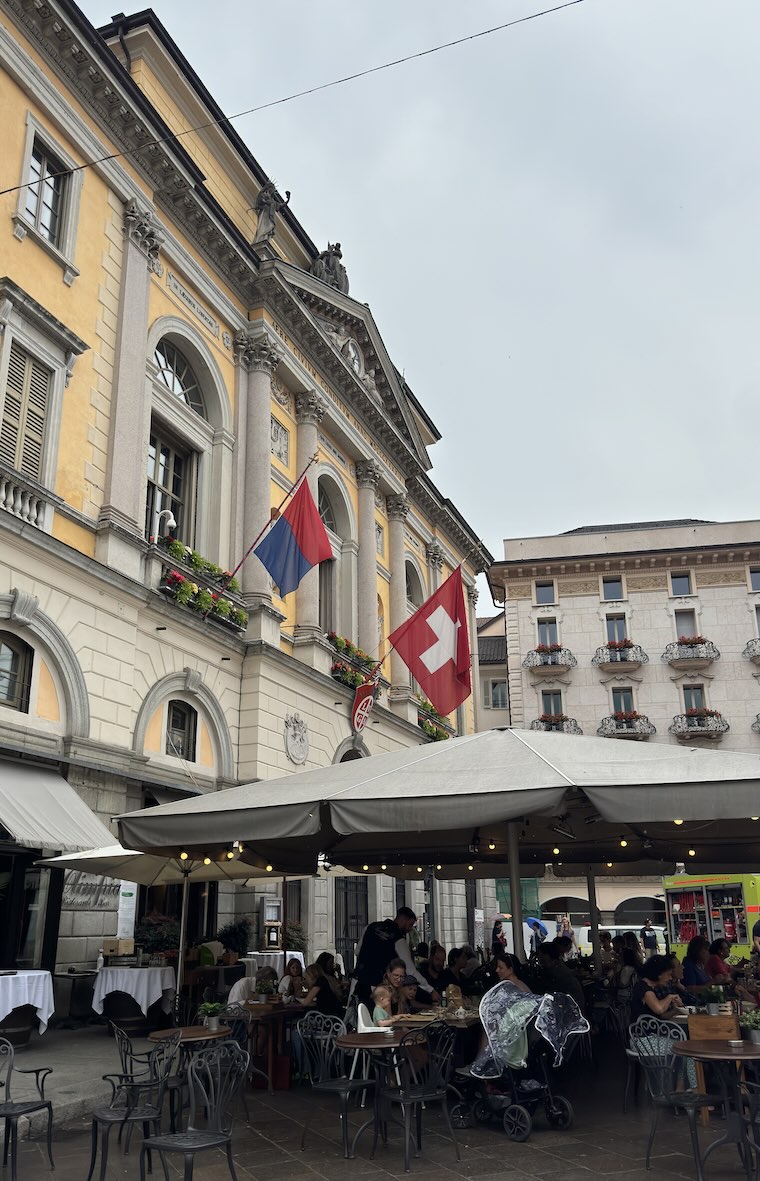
[[513, 853], [596, 942], [284, 924], [183, 929]]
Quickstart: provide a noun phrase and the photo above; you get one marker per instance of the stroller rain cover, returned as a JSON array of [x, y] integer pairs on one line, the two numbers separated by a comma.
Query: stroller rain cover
[[505, 1012]]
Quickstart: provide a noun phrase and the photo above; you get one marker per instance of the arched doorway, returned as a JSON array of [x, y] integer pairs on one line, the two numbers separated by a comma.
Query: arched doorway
[[631, 913], [555, 908]]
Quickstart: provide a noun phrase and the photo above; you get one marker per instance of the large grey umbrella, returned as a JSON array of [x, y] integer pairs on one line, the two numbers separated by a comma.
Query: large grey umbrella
[[592, 799]]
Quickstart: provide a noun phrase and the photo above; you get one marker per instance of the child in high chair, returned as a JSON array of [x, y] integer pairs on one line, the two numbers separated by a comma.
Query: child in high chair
[[381, 1014]]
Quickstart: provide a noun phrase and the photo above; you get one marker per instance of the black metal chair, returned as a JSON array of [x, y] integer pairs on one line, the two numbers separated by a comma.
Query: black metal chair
[[12, 1111], [651, 1040], [137, 1099], [327, 1068], [213, 1076], [132, 1062], [424, 1064]]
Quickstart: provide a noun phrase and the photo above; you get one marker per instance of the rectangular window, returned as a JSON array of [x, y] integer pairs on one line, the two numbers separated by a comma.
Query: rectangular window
[[180, 731], [547, 631], [686, 623], [680, 584], [169, 488], [551, 702], [498, 694], [45, 193], [622, 701], [754, 578], [616, 629], [25, 407], [612, 588], [693, 697], [545, 592]]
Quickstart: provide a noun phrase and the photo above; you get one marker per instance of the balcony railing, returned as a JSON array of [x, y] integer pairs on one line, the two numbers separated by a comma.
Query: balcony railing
[[547, 660], [206, 591], [752, 651], [710, 726], [24, 498], [691, 653], [625, 657], [636, 727], [556, 722]]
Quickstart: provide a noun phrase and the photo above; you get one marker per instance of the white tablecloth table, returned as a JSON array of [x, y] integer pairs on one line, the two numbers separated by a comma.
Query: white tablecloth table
[[144, 985], [256, 960], [34, 987]]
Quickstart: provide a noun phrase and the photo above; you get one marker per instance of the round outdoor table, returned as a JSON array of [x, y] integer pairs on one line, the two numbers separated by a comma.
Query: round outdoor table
[[191, 1033], [381, 1048], [725, 1058]]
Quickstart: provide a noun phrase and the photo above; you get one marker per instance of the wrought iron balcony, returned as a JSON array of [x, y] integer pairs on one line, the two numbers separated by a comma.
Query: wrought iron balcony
[[636, 726], [557, 722], [549, 659], [624, 657], [752, 651], [707, 724], [690, 653]]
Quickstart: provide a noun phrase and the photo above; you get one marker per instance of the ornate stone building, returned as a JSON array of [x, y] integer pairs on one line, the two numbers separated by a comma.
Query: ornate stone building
[[174, 351]]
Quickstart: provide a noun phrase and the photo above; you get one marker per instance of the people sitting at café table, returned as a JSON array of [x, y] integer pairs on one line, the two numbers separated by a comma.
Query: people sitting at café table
[[675, 984], [415, 998], [249, 987], [508, 968], [324, 984], [293, 986], [607, 951], [434, 971], [471, 962], [650, 992], [381, 1014], [695, 975], [557, 976], [395, 974]]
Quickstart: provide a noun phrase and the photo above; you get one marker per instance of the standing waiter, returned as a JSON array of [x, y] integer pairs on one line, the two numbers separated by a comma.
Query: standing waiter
[[383, 941]]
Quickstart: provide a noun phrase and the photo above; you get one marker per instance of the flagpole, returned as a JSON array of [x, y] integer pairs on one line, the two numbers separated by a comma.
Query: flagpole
[[274, 513]]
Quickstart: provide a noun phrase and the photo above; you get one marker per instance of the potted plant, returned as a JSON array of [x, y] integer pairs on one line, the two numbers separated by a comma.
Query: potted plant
[[713, 998], [266, 989], [235, 938], [750, 1025], [210, 1011]]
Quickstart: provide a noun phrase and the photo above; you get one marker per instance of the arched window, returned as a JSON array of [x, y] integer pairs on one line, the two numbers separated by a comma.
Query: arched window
[[177, 375], [326, 511], [415, 593], [16, 659], [328, 612], [181, 730]]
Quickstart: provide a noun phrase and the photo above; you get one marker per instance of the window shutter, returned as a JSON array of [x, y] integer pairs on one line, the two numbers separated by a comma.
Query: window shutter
[[24, 412]]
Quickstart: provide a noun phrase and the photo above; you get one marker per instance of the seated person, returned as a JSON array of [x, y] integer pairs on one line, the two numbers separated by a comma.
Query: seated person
[[508, 968], [415, 998], [395, 974], [327, 998], [421, 953], [434, 970], [675, 984], [695, 976], [472, 963], [654, 977], [243, 990], [557, 976], [293, 986], [381, 1014]]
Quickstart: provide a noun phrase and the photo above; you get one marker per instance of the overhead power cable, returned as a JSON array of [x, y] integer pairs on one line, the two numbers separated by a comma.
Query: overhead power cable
[[521, 20]]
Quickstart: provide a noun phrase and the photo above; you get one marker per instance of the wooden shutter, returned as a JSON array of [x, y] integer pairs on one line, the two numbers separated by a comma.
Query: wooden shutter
[[24, 411]]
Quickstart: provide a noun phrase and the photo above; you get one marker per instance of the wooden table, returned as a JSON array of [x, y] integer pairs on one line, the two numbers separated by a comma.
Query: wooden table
[[271, 1018], [724, 1058], [191, 1033]]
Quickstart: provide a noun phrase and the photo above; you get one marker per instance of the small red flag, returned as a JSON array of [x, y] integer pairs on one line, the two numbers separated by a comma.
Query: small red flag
[[434, 645]]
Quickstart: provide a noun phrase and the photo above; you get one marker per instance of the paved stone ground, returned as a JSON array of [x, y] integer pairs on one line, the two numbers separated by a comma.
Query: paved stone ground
[[602, 1143]]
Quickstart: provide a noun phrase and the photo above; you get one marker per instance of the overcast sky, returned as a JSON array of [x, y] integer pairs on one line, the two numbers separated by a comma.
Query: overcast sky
[[556, 228]]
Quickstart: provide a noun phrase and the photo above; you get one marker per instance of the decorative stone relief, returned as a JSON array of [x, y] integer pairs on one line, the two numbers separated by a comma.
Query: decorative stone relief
[[519, 590], [141, 226], [296, 738], [473, 596], [23, 608], [281, 393], [329, 268], [310, 407], [724, 577], [280, 441], [193, 680], [258, 353], [434, 555], [367, 473], [640, 582], [379, 539], [397, 507], [578, 586]]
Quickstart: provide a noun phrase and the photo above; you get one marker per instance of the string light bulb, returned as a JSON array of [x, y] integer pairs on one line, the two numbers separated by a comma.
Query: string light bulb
[[269, 869], [365, 868], [609, 865], [439, 867], [184, 855], [470, 867], [230, 854], [383, 866], [624, 844], [555, 851], [754, 817], [419, 869], [692, 852], [207, 860], [492, 845], [678, 821]]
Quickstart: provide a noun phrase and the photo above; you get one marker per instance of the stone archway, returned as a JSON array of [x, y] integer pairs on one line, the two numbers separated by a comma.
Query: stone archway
[[351, 748]]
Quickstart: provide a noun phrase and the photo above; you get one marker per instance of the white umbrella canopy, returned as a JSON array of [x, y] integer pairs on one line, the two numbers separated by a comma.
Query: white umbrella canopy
[[147, 869], [593, 799]]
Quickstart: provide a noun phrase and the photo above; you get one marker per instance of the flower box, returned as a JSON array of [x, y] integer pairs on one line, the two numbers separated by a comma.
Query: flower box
[[182, 590]]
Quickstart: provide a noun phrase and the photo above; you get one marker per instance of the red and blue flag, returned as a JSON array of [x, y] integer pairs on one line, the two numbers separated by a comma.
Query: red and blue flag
[[297, 541]]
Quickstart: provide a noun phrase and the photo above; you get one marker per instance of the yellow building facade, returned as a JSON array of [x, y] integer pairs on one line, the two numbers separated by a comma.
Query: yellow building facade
[[175, 350]]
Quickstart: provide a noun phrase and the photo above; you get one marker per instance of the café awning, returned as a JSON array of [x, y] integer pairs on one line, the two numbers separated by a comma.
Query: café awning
[[40, 810]]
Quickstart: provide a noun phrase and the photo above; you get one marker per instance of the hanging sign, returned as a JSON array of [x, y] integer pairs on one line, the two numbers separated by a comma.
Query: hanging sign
[[364, 699]]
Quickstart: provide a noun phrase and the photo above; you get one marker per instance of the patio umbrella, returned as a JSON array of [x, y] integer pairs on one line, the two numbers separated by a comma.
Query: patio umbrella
[[574, 799]]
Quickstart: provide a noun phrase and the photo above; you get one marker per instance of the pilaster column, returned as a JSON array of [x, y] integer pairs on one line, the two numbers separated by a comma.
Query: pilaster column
[[398, 511], [310, 410], [368, 478], [434, 555], [472, 602], [259, 356], [121, 515]]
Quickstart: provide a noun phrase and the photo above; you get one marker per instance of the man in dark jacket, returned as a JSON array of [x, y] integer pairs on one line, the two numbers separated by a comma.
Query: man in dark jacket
[[382, 942]]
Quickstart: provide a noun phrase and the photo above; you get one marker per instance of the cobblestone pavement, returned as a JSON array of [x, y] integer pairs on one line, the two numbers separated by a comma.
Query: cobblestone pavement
[[602, 1143]]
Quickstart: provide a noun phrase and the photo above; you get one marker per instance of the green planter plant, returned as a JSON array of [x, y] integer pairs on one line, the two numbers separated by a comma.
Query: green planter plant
[[210, 1011], [235, 937]]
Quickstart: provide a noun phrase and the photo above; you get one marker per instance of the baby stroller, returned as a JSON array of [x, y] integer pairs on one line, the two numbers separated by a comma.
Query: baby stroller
[[510, 1078]]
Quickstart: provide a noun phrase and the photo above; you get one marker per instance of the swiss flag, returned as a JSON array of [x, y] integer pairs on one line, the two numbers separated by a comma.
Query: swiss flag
[[433, 644]]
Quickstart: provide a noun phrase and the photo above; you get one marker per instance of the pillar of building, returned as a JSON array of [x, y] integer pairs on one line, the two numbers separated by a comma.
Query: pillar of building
[[472, 620], [309, 644], [258, 356], [368, 478], [400, 697], [121, 517]]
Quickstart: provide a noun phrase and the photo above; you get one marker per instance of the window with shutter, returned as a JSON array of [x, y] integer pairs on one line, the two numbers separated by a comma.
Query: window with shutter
[[24, 412]]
